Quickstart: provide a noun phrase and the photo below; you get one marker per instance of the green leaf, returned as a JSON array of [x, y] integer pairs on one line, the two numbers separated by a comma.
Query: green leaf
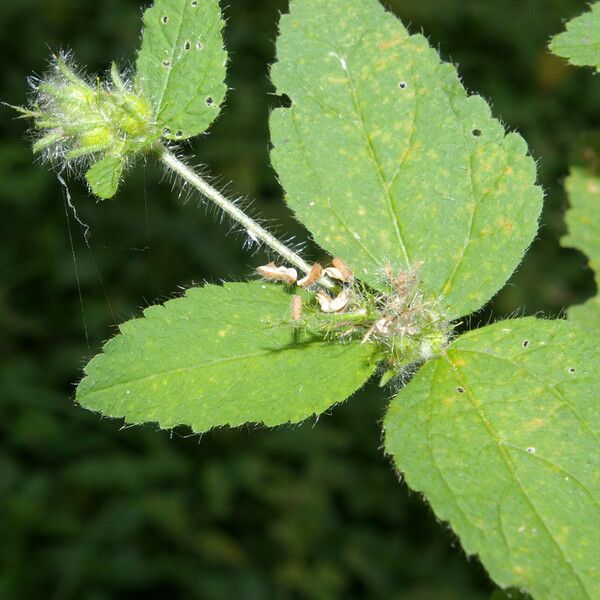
[[586, 314], [501, 436], [583, 223], [510, 594], [580, 43], [386, 160], [221, 356], [181, 65], [104, 176]]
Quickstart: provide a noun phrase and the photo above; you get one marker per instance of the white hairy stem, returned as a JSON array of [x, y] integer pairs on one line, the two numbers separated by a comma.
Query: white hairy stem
[[254, 230]]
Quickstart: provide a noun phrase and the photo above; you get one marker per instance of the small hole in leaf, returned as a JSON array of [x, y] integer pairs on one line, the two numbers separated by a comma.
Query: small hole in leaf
[[403, 85], [166, 63], [525, 344], [460, 390], [199, 46], [476, 132], [531, 450], [210, 101], [572, 370], [165, 20], [167, 131], [286, 101], [194, 3], [187, 46], [178, 134]]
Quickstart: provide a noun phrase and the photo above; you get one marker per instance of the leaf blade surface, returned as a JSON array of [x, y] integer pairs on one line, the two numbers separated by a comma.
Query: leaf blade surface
[[583, 224], [580, 42], [502, 438], [221, 356], [181, 64], [104, 176], [386, 160]]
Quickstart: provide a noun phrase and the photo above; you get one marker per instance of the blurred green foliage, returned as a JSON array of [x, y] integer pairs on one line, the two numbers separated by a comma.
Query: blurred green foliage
[[94, 512]]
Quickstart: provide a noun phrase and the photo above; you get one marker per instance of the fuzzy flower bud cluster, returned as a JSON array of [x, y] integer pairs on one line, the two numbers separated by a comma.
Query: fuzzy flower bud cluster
[[96, 126]]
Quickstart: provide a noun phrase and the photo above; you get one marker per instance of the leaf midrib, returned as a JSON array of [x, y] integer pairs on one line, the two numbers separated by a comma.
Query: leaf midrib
[[193, 367], [160, 107], [377, 164], [305, 156], [176, 370]]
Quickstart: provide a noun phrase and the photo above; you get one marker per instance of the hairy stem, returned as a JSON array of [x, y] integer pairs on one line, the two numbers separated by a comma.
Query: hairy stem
[[254, 229]]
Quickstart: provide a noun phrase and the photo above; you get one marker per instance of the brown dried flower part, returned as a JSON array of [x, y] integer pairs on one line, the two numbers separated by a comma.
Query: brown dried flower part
[[343, 268], [405, 326], [296, 308], [340, 271], [404, 283], [403, 313], [333, 305], [272, 272], [315, 273]]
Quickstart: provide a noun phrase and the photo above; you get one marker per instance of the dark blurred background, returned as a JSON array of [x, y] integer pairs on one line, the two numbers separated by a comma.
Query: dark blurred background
[[92, 511]]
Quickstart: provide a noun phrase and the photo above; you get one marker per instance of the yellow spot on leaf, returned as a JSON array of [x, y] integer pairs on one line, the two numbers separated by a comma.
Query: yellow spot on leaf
[[534, 424]]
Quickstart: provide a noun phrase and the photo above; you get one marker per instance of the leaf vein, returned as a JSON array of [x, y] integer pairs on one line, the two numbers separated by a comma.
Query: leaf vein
[[510, 466], [376, 162]]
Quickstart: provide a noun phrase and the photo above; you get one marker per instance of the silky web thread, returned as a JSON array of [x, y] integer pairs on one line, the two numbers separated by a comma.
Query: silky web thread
[[148, 236], [69, 204], [86, 233]]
